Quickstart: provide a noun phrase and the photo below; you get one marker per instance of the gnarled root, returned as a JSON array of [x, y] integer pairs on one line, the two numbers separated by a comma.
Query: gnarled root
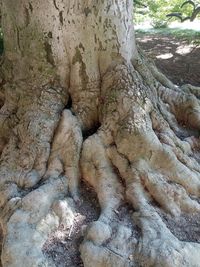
[[32, 203], [159, 247], [65, 152], [101, 246], [30, 224], [145, 153], [140, 144]]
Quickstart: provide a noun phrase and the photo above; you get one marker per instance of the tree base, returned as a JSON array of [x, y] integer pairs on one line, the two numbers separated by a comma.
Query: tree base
[[145, 153]]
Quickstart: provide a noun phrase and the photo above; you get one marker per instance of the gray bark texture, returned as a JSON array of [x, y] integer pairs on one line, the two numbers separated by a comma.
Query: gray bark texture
[[80, 101]]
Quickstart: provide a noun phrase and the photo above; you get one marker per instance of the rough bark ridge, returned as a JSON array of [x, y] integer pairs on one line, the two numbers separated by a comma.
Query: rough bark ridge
[[129, 132]]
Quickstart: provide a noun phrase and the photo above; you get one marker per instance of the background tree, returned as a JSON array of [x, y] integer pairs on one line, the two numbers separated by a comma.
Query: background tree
[[192, 14], [158, 12], [81, 100]]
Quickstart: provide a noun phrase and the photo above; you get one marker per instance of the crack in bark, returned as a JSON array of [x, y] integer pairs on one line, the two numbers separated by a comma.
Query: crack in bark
[[61, 17], [55, 4], [49, 53]]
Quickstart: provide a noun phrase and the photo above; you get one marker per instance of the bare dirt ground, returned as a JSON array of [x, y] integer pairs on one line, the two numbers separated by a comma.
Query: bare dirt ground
[[62, 247], [178, 59]]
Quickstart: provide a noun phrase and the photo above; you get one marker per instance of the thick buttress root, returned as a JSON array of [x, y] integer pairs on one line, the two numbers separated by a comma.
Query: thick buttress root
[[150, 143], [145, 153], [65, 152], [33, 200]]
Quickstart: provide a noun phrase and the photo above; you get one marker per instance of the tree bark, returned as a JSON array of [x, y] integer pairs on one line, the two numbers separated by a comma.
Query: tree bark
[[82, 101]]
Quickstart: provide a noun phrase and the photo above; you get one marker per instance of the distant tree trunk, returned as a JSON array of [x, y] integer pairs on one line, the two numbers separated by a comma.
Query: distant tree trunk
[[80, 100]]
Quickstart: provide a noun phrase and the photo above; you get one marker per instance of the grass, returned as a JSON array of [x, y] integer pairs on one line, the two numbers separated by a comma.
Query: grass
[[191, 36]]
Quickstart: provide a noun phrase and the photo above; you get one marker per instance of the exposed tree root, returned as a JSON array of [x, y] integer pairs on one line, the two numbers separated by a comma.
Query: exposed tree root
[[31, 202], [29, 226], [65, 152], [145, 152], [63, 245], [156, 165]]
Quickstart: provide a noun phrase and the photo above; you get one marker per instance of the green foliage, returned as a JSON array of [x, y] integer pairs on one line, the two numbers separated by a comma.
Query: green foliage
[[157, 10], [189, 11]]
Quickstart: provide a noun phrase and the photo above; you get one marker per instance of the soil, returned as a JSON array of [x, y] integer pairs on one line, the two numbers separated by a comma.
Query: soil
[[185, 228], [62, 247], [177, 58]]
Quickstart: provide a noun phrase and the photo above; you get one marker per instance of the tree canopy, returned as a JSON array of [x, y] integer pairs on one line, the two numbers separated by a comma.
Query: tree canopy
[[158, 11]]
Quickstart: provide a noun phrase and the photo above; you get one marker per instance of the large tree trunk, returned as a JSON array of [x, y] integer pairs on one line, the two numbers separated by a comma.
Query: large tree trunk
[[80, 100]]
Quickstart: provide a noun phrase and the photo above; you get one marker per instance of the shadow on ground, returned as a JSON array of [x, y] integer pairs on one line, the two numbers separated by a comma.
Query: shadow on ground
[[178, 59]]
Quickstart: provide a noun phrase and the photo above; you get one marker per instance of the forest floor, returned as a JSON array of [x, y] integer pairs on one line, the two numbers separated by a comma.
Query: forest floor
[[178, 57]]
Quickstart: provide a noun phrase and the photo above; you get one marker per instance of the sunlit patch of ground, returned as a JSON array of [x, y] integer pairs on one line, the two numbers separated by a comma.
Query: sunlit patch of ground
[[165, 56], [175, 52], [187, 25], [176, 57]]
